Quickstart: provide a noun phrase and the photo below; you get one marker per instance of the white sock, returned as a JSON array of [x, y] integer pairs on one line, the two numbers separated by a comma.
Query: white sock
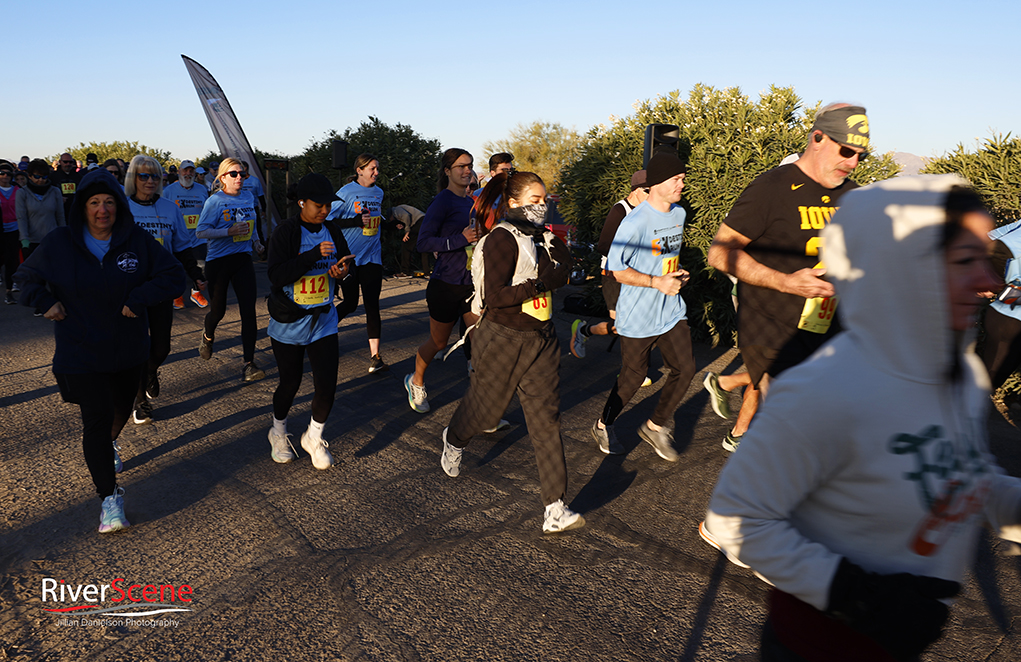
[[280, 426], [316, 429]]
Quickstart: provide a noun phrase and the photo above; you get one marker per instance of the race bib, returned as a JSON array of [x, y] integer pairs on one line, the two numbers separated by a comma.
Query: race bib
[[470, 250], [67, 188], [159, 239], [191, 221], [671, 264], [246, 236], [540, 307], [372, 229], [817, 315], [312, 290]]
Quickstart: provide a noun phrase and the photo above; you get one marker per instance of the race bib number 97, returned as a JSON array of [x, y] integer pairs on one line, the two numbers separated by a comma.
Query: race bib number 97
[[311, 290], [540, 307]]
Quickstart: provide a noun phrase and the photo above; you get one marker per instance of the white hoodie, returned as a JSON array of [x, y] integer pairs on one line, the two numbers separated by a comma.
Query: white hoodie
[[868, 450]]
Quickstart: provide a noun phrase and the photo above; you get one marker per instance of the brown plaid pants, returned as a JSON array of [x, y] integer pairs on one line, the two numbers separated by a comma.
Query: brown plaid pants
[[505, 360]]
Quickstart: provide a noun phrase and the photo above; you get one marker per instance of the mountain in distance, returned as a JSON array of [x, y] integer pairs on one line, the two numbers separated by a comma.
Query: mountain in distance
[[909, 164]]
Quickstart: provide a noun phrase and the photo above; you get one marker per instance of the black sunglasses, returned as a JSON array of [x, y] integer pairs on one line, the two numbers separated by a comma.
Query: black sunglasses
[[846, 152], [146, 176], [235, 174]]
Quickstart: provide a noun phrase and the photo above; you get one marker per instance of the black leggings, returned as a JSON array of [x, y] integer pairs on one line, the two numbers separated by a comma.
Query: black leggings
[[323, 356], [675, 347], [1001, 351], [9, 253], [105, 401], [370, 277], [161, 320], [236, 270]]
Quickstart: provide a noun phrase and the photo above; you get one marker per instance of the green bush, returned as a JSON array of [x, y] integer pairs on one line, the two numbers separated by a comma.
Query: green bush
[[727, 141]]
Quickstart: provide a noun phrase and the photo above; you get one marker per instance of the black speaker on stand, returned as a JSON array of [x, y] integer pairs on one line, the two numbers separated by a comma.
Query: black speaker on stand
[[339, 154], [659, 136]]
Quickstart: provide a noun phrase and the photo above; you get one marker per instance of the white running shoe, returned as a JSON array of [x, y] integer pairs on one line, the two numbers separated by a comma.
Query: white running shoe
[[578, 338], [708, 537], [112, 518], [450, 458], [416, 395], [499, 426], [281, 449], [559, 517], [321, 458]]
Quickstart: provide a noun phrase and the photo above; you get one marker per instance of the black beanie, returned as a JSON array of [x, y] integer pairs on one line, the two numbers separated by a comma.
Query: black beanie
[[663, 165]]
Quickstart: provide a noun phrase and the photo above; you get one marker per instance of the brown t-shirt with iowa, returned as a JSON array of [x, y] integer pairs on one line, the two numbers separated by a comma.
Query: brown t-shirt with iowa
[[782, 212]]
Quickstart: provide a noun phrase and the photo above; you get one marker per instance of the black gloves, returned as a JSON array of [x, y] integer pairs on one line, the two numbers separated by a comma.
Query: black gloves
[[902, 612]]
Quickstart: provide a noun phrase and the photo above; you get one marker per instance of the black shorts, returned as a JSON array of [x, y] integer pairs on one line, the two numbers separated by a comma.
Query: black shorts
[[611, 291], [761, 360], [448, 303]]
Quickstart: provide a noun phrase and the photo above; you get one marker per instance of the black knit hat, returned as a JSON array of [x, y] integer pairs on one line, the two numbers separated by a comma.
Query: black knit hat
[[317, 188], [663, 165]]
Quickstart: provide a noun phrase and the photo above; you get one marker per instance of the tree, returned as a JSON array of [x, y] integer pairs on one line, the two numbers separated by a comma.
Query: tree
[[544, 148], [120, 149], [727, 140]]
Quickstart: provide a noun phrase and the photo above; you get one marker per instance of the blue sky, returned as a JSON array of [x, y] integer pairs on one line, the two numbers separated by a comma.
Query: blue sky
[[932, 74]]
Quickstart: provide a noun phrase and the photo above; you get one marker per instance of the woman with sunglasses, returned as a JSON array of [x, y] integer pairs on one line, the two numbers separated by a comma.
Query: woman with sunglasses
[[40, 209], [359, 212], [445, 231], [227, 222], [163, 220]]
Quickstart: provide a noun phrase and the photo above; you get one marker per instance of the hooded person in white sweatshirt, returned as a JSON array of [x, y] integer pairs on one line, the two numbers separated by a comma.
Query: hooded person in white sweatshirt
[[861, 487]]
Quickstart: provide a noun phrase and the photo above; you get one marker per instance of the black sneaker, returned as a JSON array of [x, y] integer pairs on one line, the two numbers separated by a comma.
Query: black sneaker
[[377, 364], [37, 313], [143, 413], [152, 387], [205, 347], [251, 373], [9, 299]]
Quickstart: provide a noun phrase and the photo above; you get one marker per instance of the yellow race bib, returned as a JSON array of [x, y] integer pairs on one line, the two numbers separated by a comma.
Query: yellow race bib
[[312, 290], [191, 221], [470, 250], [817, 314], [671, 264], [67, 188], [372, 229], [246, 236], [540, 307]]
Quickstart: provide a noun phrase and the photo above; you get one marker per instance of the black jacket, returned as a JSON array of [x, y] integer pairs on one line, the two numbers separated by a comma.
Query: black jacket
[[136, 272], [285, 264]]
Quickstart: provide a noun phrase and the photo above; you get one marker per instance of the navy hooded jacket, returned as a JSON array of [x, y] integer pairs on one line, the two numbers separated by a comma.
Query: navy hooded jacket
[[136, 272]]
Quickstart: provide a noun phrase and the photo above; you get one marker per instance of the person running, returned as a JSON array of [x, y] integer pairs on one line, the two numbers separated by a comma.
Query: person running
[[96, 279], [580, 330], [227, 222], [862, 489], [645, 259], [358, 211], [303, 269], [39, 208], [447, 233], [189, 196], [9, 243], [163, 220], [515, 344]]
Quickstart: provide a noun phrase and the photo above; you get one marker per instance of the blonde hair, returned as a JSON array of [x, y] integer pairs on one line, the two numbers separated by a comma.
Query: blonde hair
[[143, 163], [225, 166]]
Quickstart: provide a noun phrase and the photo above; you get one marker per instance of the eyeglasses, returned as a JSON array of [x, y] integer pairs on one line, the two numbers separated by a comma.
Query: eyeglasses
[[235, 174], [846, 153], [63, 161], [35, 176], [146, 176]]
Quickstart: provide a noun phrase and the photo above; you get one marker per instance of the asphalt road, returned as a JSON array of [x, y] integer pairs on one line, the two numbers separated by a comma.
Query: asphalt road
[[383, 557]]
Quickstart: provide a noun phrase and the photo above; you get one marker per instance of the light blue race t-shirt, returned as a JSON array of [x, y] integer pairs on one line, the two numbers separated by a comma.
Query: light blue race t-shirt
[[219, 213], [363, 242], [312, 290], [190, 202], [163, 220], [649, 242]]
